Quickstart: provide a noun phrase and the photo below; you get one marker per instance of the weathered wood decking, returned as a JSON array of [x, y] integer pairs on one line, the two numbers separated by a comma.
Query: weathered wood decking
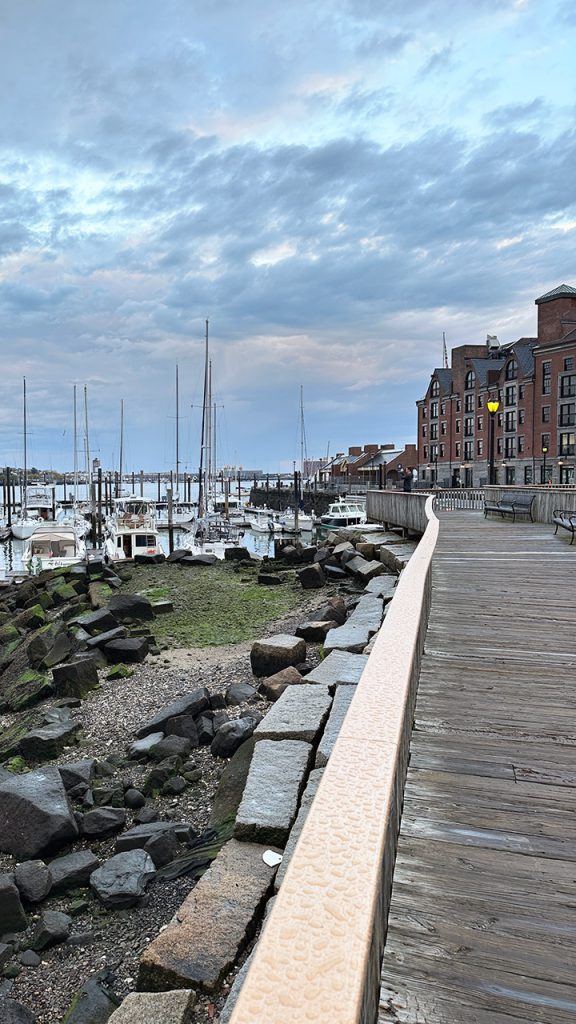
[[482, 926]]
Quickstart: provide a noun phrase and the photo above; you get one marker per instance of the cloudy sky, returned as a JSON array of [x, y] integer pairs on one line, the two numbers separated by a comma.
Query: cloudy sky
[[333, 184]]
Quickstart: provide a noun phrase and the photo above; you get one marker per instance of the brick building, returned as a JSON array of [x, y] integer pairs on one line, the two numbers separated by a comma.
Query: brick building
[[534, 380]]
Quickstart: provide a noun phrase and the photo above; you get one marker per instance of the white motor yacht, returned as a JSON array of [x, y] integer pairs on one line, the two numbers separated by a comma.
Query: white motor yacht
[[264, 520], [345, 512], [183, 513], [131, 530], [52, 546], [304, 525]]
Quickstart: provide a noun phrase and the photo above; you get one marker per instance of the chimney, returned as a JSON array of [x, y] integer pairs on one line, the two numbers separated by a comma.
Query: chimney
[[556, 314]]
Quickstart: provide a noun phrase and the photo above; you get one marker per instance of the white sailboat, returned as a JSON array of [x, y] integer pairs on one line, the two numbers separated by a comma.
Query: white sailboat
[[24, 522], [296, 520]]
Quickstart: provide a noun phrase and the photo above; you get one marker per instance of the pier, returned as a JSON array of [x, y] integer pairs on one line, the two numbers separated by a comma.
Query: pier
[[458, 751]]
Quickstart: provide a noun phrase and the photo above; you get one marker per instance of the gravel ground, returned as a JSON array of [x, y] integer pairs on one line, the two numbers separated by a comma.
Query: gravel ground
[[115, 940]]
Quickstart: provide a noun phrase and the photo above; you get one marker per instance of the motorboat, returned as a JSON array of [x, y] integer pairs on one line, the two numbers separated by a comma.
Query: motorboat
[[183, 513], [344, 513], [265, 520], [38, 506], [212, 536], [305, 522], [53, 546], [131, 530]]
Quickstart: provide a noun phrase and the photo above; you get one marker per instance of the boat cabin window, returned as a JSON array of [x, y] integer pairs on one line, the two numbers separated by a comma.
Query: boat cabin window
[[50, 548], [119, 542], [143, 540]]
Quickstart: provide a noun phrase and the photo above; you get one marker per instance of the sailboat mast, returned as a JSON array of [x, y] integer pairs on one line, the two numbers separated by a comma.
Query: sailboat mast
[[25, 473], [201, 467], [209, 434], [121, 447], [302, 430], [75, 449], [88, 473], [177, 436], [214, 466]]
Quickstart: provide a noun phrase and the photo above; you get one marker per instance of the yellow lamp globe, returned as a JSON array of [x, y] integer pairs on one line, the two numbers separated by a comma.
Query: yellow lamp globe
[[493, 405]]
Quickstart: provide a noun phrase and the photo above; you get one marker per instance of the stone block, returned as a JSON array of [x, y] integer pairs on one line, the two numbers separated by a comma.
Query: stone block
[[75, 678], [396, 556], [363, 569], [342, 701], [351, 637], [72, 871], [270, 800], [338, 667], [273, 686], [312, 577], [275, 653], [295, 832], [155, 1008], [382, 586], [315, 631], [299, 714], [12, 916], [212, 926], [35, 816]]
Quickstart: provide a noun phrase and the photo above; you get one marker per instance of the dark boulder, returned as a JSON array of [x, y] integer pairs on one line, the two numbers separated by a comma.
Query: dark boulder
[[77, 772], [52, 928], [34, 880], [12, 1012], [193, 704], [48, 741], [149, 559], [137, 837], [131, 650], [95, 1002], [72, 871], [75, 678], [100, 621], [240, 693], [232, 735], [35, 816], [102, 639], [122, 880], [130, 606], [171, 746], [12, 916], [162, 848], [312, 577], [238, 554], [183, 725], [178, 555], [191, 560], [103, 821]]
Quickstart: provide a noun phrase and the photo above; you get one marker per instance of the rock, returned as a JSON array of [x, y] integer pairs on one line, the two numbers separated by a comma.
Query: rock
[[205, 728], [162, 607], [178, 555], [75, 678], [396, 556], [269, 579], [34, 880], [334, 610], [101, 621], [232, 735], [35, 816], [241, 693], [231, 785], [149, 559], [154, 1007], [238, 554], [103, 821], [94, 1003], [383, 587], [48, 741], [315, 631], [162, 848], [193, 704], [364, 569], [72, 871], [39, 644], [350, 637], [272, 687], [122, 880], [12, 970], [52, 928], [174, 786], [338, 667], [12, 916], [131, 650], [270, 800], [171, 746], [341, 548], [119, 672], [146, 815], [133, 798], [296, 830], [275, 653], [312, 577], [139, 750], [30, 618], [12, 1012], [334, 573], [99, 640], [368, 612], [77, 772], [137, 837], [131, 606], [299, 714], [322, 554], [342, 701], [212, 926], [191, 560], [183, 725], [29, 958]]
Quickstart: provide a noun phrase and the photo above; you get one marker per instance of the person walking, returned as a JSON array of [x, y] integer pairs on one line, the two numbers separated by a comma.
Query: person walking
[[407, 484]]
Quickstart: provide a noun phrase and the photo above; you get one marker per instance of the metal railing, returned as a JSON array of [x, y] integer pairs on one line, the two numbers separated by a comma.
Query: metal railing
[[451, 499]]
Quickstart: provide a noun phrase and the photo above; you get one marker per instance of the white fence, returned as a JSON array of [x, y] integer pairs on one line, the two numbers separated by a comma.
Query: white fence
[[449, 500]]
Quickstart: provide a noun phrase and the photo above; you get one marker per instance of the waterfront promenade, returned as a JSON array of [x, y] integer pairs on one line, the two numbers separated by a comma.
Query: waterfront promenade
[[482, 918]]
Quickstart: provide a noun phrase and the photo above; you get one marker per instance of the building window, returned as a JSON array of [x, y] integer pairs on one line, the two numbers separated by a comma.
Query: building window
[[468, 451], [511, 394], [545, 441], [511, 371], [433, 431], [443, 427], [567, 444], [424, 431], [458, 448], [468, 403], [500, 419], [480, 401], [568, 364], [441, 451], [458, 405], [510, 448], [546, 378], [424, 412], [521, 416], [521, 392], [443, 408], [510, 474], [528, 477], [425, 450], [470, 380], [469, 427], [568, 415], [479, 423], [568, 386], [520, 444], [457, 426], [423, 474], [434, 410], [479, 447], [545, 414], [510, 421], [499, 445], [435, 390]]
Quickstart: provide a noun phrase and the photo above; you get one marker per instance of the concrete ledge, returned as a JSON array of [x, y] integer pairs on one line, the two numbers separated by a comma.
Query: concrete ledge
[[155, 1008], [319, 956]]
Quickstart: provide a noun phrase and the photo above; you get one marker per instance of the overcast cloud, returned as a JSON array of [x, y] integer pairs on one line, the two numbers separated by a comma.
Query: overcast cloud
[[331, 184]]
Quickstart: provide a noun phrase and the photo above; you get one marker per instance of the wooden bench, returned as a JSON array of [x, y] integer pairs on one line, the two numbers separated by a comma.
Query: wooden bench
[[565, 519], [520, 505]]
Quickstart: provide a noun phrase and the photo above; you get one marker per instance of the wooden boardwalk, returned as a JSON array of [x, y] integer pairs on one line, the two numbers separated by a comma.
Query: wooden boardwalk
[[482, 927]]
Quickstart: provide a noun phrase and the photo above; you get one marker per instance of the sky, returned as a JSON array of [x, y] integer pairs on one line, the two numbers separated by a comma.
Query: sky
[[332, 184]]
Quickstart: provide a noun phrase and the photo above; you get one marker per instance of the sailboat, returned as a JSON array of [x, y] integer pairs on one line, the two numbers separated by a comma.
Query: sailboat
[[182, 512], [25, 522], [131, 529], [298, 521], [75, 517]]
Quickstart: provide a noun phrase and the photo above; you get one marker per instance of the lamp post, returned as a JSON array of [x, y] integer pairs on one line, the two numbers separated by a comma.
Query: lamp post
[[544, 453], [560, 467], [492, 405]]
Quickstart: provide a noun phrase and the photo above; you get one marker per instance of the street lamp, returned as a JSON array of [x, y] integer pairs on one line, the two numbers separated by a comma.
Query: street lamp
[[560, 468], [544, 453], [492, 405]]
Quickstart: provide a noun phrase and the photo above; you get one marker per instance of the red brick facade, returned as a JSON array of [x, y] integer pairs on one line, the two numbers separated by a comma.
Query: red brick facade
[[534, 380]]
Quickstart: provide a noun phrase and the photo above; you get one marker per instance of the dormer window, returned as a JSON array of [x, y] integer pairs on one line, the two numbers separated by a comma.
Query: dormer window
[[470, 380], [435, 389], [511, 371]]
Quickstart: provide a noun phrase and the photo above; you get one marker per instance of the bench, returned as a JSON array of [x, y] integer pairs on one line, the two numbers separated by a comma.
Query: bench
[[519, 505], [565, 519]]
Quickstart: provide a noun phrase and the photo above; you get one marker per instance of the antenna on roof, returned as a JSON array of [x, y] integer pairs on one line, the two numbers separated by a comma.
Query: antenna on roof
[[444, 351]]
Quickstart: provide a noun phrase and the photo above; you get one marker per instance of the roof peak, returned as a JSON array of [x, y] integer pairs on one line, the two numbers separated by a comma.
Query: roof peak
[[563, 290]]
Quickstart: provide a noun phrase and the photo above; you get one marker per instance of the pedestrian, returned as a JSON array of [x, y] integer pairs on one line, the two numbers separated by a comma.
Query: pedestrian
[[407, 485]]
